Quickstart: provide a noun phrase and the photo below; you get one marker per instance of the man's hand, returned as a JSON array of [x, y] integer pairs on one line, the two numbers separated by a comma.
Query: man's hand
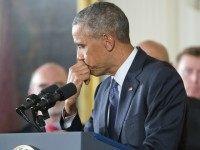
[[78, 74]]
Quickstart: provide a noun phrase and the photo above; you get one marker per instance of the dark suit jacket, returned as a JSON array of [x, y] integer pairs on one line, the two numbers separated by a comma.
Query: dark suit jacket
[[193, 124], [151, 108]]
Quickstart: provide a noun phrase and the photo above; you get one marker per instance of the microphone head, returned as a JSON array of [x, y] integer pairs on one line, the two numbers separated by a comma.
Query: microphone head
[[50, 89], [31, 101], [67, 91]]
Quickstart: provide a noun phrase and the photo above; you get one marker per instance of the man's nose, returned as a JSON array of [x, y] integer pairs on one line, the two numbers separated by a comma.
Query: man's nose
[[80, 55]]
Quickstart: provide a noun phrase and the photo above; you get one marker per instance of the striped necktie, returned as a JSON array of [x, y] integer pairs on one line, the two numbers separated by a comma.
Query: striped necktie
[[113, 100]]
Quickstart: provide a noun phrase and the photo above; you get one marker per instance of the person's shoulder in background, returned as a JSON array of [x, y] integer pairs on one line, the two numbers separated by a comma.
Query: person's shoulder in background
[[193, 124]]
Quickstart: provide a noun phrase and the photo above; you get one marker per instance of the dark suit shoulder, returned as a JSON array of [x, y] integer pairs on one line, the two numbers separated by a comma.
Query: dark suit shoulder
[[193, 124], [158, 65], [193, 103], [157, 71], [161, 82]]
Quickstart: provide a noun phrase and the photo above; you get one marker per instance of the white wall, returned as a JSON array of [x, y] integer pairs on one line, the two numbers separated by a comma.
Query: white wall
[[170, 22], [189, 23]]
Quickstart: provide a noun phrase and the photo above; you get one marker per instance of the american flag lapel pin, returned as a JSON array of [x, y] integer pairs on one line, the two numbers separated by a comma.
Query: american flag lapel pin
[[130, 88]]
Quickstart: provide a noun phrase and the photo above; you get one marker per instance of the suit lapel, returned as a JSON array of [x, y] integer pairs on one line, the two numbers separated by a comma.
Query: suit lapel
[[104, 111], [129, 88]]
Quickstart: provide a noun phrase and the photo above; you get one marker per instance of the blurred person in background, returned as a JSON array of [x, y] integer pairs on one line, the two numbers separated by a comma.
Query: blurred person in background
[[188, 66], [44, 76], [155, 49]]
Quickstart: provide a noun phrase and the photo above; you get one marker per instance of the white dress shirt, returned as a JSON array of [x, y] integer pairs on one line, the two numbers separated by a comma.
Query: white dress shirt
[[119, 78], [123, 70]]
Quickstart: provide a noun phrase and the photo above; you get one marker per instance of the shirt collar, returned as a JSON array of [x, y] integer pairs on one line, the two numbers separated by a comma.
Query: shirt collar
[[123, 69]]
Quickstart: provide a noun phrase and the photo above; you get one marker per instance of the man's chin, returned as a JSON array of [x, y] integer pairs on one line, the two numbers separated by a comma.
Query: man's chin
[[96, 73]]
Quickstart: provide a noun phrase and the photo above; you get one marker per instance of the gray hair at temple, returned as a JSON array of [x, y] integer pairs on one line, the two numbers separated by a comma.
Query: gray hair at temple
[[104, 18]]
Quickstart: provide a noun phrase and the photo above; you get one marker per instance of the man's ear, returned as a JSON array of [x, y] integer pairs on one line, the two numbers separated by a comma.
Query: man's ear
[[109, 42]]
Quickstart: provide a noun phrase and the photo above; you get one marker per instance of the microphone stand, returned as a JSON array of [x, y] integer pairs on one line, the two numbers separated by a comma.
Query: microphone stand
[[38, 119], [21, 112]]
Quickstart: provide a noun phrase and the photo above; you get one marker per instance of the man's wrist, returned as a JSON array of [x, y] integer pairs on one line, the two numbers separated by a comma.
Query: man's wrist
[[65, 114], [67, 119]]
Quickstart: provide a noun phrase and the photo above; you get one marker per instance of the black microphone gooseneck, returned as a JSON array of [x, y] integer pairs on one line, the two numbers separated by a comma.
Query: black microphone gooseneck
[[30, 103], [43, 101], [61, 94]]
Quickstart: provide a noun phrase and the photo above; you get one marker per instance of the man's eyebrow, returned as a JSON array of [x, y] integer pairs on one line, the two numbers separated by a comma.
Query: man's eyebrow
[[80, 44]]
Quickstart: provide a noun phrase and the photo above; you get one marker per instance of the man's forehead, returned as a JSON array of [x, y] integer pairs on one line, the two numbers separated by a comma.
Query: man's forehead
[[190, 62], [80, 29], [40, 78], [191, 56], [76, 29], [189, 59], [46, 84]]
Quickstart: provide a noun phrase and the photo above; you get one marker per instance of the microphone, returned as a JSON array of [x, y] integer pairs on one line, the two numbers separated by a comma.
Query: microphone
[[33, 100], [43, 101], [49, 89], [48, 100]]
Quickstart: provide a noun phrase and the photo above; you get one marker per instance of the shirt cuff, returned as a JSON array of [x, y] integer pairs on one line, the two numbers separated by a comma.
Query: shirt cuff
[[67, 119]]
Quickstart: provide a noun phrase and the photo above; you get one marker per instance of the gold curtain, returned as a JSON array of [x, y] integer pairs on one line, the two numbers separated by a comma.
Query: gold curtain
[[84, 3], [86, 98]]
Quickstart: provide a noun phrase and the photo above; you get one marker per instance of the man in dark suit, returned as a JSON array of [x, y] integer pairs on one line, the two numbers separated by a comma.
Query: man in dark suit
[[188, 66], [142, 102], [192, 125]]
